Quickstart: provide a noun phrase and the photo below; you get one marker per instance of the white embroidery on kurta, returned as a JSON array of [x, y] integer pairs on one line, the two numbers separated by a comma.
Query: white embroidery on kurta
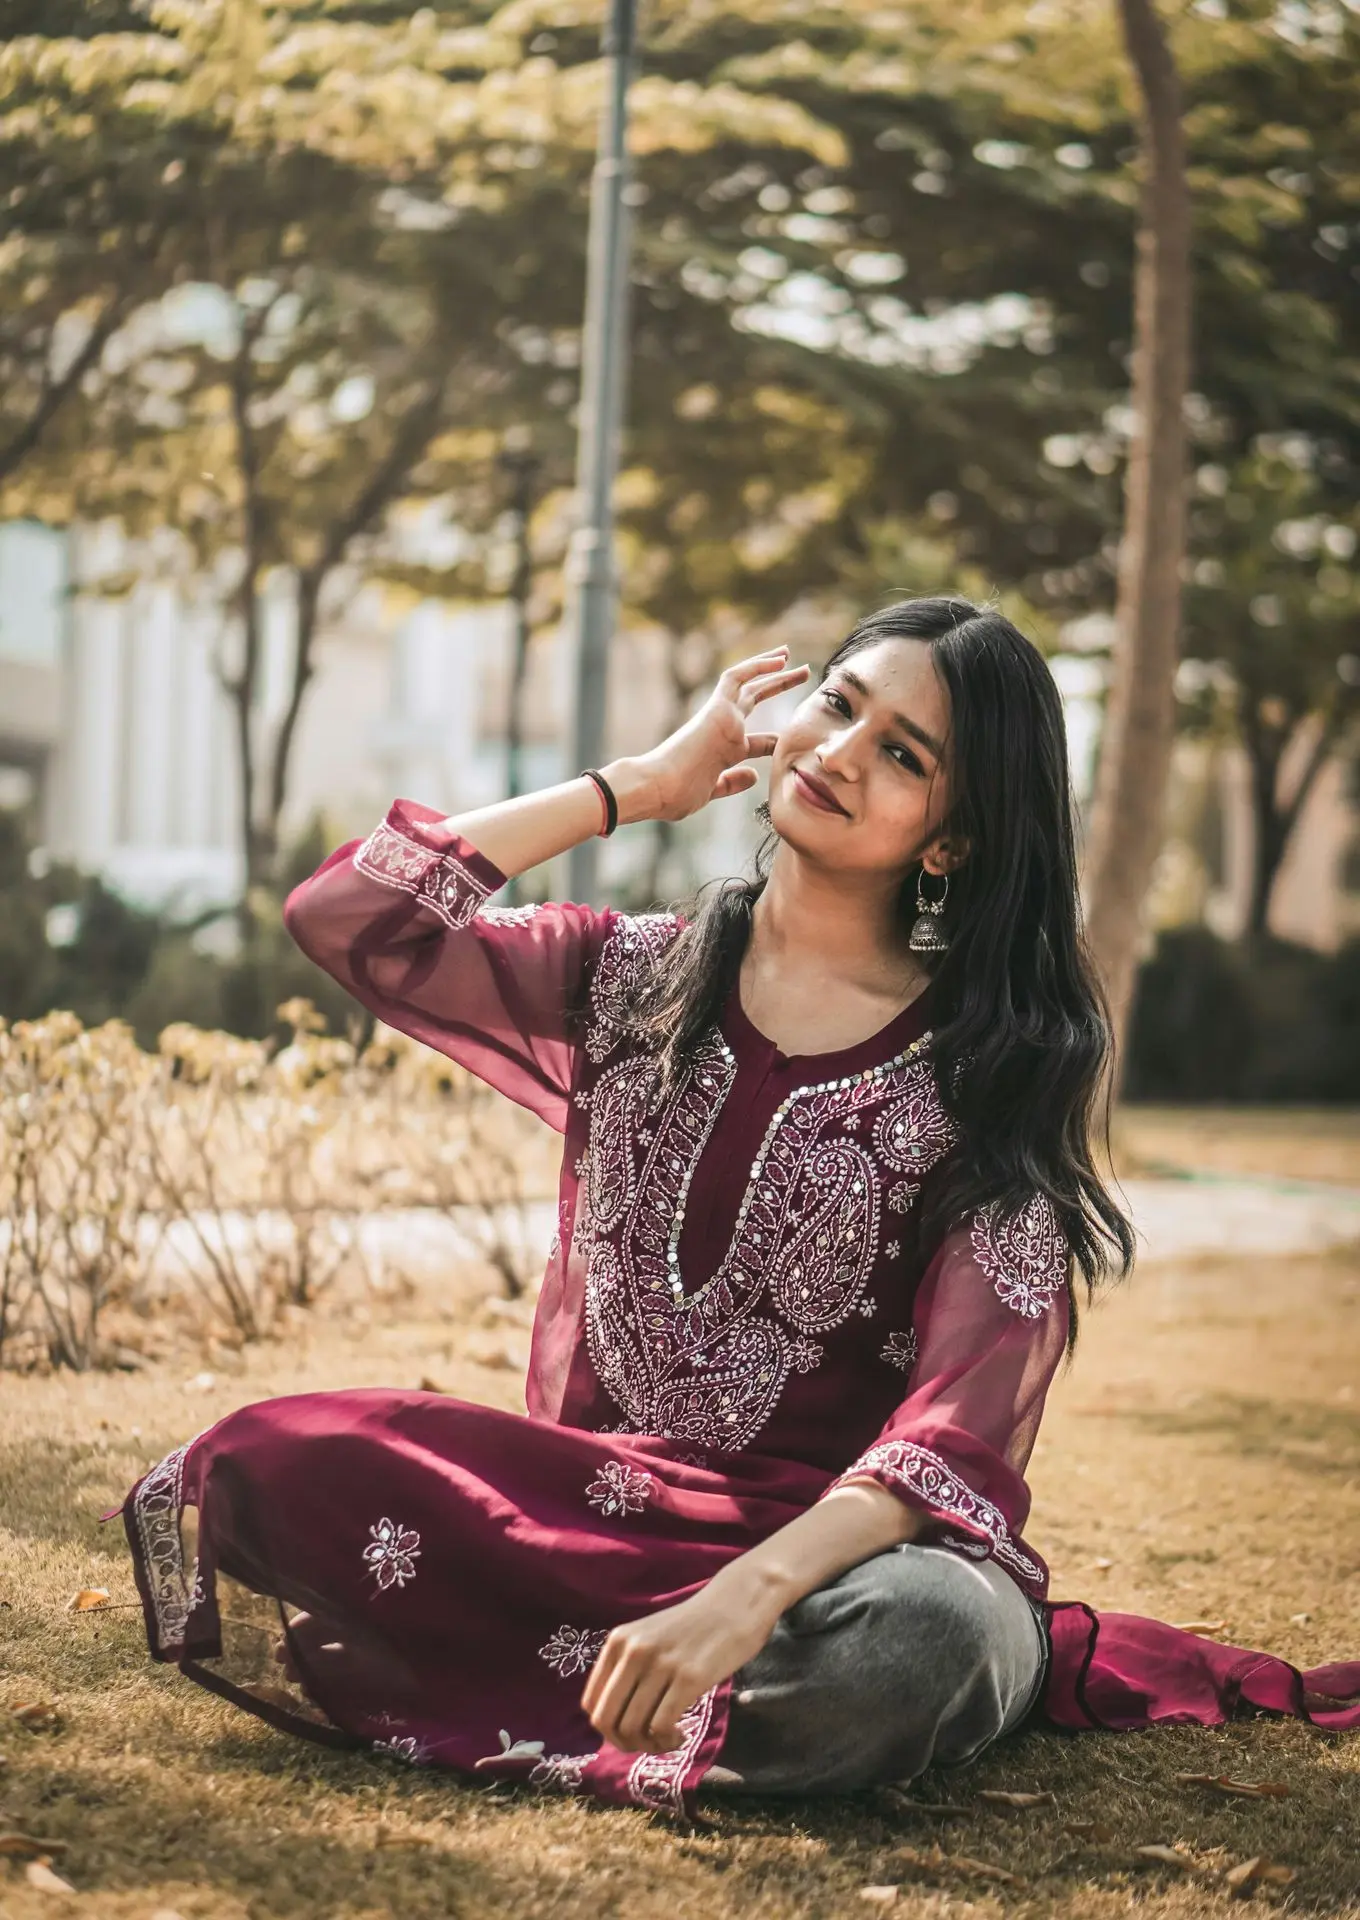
[[441, 881], [1024, 1255], [406, 1748], [622, 973], [900, 1350], [916, 1470], [391, 1554], [804, 1354], [657, 1779], [573, 1649], [901, 1194], [156, 1508], [619, 1488], [512, 1750], [561, 1771], [709, 1364], [508, 916]]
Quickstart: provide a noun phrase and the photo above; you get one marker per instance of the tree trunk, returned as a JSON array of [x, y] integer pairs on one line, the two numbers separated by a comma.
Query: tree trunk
[[56, 393], [1125, 831], [1274, 818]]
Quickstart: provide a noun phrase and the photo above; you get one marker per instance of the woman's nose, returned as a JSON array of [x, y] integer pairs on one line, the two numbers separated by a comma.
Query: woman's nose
[[839, 751]]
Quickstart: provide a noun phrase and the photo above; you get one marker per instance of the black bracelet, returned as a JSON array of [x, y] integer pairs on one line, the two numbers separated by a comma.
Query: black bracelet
[[611, 805]]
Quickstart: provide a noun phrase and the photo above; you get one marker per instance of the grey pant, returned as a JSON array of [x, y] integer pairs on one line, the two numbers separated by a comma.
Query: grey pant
[[918, 1656]]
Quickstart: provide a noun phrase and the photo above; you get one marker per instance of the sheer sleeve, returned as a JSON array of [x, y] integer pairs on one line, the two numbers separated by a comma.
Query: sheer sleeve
[[401, 921], [990, 1325]]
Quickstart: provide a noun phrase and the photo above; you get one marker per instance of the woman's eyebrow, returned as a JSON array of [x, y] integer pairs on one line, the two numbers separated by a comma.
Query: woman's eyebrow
[[898, 719]]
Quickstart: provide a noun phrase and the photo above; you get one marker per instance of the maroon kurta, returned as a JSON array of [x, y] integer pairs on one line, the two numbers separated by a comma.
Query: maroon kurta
[[740, 1311]]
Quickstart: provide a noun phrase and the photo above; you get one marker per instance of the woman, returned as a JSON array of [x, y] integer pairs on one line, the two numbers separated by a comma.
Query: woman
[[827, 1175]]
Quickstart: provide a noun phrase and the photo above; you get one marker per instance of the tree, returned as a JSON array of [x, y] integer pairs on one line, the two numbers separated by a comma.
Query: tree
[[1274, 605], [1125, 833]]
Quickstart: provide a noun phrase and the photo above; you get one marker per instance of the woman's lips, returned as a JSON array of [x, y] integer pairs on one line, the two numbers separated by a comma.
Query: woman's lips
[[814, 795]]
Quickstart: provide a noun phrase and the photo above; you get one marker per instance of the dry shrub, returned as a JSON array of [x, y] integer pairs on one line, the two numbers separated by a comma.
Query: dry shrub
[[230, 1174]]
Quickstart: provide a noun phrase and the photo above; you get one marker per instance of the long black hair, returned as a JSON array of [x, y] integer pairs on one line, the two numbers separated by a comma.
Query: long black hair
[[1021, 1038]]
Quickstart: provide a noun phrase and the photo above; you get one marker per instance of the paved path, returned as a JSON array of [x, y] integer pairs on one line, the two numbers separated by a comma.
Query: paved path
[[1203, 1214]]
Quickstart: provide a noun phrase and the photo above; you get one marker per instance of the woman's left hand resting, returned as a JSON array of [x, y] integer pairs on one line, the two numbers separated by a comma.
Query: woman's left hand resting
[[650, 1671]]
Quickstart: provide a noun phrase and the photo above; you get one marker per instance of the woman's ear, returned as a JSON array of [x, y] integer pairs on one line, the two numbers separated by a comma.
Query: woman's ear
[[945, 854]]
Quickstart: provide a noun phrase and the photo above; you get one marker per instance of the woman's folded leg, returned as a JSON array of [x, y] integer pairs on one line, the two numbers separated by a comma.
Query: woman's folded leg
[[915, 1657]]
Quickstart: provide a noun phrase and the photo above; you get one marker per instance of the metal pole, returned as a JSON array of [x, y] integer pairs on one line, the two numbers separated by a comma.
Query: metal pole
[[603, 358], [521, 465]]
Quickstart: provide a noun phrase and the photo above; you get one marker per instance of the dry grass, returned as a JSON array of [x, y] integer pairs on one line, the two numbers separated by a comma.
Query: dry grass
[[1206, 1446], [1299, 1143]]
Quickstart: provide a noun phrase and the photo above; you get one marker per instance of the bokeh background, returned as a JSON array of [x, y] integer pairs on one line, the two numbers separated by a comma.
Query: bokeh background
[[290, 330]]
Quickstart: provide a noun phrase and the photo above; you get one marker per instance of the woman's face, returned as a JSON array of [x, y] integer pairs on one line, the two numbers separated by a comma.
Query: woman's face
[[860, 775]]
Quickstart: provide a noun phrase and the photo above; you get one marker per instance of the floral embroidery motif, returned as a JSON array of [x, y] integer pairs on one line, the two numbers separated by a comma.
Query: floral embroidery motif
[[561, 1771], [406, 1748], [1025, 1255], [923, 1474], [658, 1779], [156, 1506], [441, 881], [901, 1350], [619, 1488], [901, 1194], [804, 1354], [573, 1649], [512, 1750], [391, 1554]]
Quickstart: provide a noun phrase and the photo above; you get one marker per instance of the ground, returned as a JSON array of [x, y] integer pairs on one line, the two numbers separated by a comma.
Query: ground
[[1200, 1461]]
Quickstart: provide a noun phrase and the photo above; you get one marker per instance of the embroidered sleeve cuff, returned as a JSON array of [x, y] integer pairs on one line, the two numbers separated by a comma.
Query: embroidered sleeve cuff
[[925, 1482], [414, 854]]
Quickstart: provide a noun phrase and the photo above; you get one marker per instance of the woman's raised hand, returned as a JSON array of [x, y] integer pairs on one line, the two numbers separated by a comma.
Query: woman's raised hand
[[706, 758]]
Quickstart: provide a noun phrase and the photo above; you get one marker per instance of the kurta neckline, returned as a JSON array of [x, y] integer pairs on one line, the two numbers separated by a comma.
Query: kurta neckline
[[749, 1044]]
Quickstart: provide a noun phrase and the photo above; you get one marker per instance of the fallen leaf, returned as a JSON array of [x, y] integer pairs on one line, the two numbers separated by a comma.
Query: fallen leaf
[[39, 1874], [1244, 1789], [941, 1808], [39, 1716], [881, 1896], [1300, 1619], [88, 1599], [1087, 1830], [1258, 1872], [430, 1385], [1202, 1627], [1170, 1857], [996, 1797], [936, 1860], [398, 1837], [23, 1846]]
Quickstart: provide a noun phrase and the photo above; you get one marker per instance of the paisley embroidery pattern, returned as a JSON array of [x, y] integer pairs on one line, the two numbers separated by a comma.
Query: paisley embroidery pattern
[[391, 1554], [406, 1748], [619, 1488], [1024, 1255], [622, 971], [706, 1366], [508, 916], [438, 880], [573, 1649], [920, 1473]]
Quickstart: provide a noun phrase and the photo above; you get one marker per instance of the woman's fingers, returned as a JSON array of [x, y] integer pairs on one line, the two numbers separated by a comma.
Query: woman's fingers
[[743, 670], [763, 685], [734, 780]]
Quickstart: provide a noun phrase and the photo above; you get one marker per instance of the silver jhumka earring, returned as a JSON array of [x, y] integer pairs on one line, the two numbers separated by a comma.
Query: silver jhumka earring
[[927, 934], [762, 813]]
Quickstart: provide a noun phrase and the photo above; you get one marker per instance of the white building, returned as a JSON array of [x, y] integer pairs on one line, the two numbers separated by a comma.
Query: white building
[[115, 729]]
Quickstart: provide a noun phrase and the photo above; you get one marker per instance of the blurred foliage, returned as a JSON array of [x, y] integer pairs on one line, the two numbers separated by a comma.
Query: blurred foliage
[[1253, 1020], [281, 275], [69, 941]]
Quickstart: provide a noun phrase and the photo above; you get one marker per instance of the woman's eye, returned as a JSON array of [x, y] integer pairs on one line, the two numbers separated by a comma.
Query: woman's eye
[[836, 700], [908, 758]]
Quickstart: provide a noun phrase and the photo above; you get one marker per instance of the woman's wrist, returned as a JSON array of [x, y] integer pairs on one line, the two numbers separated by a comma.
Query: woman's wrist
[[635, 789]]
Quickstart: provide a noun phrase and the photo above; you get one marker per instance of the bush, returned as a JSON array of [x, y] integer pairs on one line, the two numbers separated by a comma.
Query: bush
[[1258, 1021]]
